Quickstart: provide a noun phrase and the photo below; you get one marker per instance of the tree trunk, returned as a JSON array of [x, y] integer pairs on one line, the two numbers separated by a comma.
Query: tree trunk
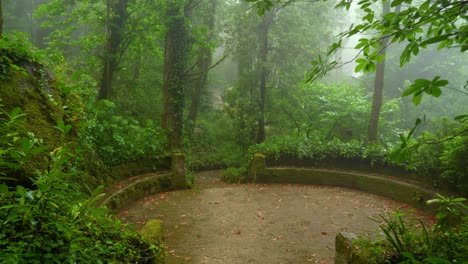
[[246, 106], [202, 67], [176, 54], [1, 19], [117, 16], [373, 131], [264, 28]]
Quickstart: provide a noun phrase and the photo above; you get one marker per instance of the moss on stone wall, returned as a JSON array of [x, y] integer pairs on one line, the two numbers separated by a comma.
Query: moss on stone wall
[[35, 91]]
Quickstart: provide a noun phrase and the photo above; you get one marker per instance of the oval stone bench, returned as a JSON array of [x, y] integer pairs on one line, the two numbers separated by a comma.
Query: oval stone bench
[[411, 193]]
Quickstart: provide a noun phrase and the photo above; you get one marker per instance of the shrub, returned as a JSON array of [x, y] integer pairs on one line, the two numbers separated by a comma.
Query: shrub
[[53, 221], [234, 175], [118, 139]]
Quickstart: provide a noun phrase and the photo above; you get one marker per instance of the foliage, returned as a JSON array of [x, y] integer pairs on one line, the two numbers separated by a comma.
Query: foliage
[[441, 152], [212, 147], [118, 138], [442, 243], [15, 49], [370, 251], [53, 222], [416, 26], [450, 212], [16, 146], [234, 175], [327, 111]]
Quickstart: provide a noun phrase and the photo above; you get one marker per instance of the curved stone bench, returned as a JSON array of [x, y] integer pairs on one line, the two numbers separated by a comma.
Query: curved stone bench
[[410, 193], [134, 188]]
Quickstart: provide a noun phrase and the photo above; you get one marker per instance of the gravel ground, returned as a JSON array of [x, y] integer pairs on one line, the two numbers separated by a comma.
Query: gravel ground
[[223, 223]]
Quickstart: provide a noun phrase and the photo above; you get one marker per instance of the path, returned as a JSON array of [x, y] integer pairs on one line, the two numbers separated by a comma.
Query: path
[[237, 224]]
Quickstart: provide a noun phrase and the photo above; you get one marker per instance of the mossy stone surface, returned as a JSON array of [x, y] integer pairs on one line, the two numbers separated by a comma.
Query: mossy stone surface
[[33, 89], [153, 231], [398, 190]]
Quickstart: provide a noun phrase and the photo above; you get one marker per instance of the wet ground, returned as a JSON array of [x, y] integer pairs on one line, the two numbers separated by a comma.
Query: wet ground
[[223, 223]]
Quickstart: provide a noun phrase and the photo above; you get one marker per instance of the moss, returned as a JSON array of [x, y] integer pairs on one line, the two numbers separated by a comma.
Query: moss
[[153, 231], [40, 100], [369, 252]]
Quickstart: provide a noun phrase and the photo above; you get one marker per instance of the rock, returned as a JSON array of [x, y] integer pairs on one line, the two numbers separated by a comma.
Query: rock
[[344, 247], [153, 232]]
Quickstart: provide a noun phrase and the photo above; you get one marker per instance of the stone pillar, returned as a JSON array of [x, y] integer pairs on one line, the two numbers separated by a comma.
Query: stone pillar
[[344, 247], [257, 167], [178, 169]]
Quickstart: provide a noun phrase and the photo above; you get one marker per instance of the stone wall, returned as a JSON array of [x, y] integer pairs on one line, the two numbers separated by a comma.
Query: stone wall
[[412, 193], [133, 188]]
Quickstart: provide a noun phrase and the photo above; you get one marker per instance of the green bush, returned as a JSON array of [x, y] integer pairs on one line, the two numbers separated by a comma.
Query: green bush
[[444, 242], [15, 50], [118, 139], [234, 175], [53, 221]]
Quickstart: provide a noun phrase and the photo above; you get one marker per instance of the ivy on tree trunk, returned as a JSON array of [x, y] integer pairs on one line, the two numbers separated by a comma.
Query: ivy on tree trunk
[[176, 54]]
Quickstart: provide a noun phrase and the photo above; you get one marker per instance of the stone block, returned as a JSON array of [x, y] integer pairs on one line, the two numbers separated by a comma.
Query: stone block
[[344, 247]]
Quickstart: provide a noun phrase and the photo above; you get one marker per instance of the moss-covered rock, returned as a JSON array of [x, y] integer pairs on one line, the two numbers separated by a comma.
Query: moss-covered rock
[[31, 87], [153, 233]]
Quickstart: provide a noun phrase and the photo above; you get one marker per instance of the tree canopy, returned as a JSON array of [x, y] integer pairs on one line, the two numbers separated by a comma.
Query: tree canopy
[[415, 24]]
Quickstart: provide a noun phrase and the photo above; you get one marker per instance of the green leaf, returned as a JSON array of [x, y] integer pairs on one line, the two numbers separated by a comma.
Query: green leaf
[[422, 82], [441, 83], [411, 89], [461, 118], [417, 98], [436, 91], [434, 40]]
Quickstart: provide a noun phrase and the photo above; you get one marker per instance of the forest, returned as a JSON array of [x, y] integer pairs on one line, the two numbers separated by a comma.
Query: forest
[[92, 91]]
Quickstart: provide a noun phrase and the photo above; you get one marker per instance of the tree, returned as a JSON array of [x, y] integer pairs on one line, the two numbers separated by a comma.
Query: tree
[[117, 16], [372, 130], [1, 19], [419, 25], [202, 65], [263, 30], [176, 54]]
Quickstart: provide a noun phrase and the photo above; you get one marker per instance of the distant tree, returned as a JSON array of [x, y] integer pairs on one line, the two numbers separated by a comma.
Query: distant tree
[[377, 96], [420, 24], [202, 64], [116, 18], [263, 30]]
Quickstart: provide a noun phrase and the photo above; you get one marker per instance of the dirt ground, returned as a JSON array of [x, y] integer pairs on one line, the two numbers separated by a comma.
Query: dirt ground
[[223, 223]]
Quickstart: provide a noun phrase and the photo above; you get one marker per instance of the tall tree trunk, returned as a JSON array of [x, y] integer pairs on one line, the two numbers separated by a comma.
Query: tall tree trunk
[[202, 67], [176, 54], [117, 16], [264, 28], [373, 131], [245, 104], [1, 19]]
